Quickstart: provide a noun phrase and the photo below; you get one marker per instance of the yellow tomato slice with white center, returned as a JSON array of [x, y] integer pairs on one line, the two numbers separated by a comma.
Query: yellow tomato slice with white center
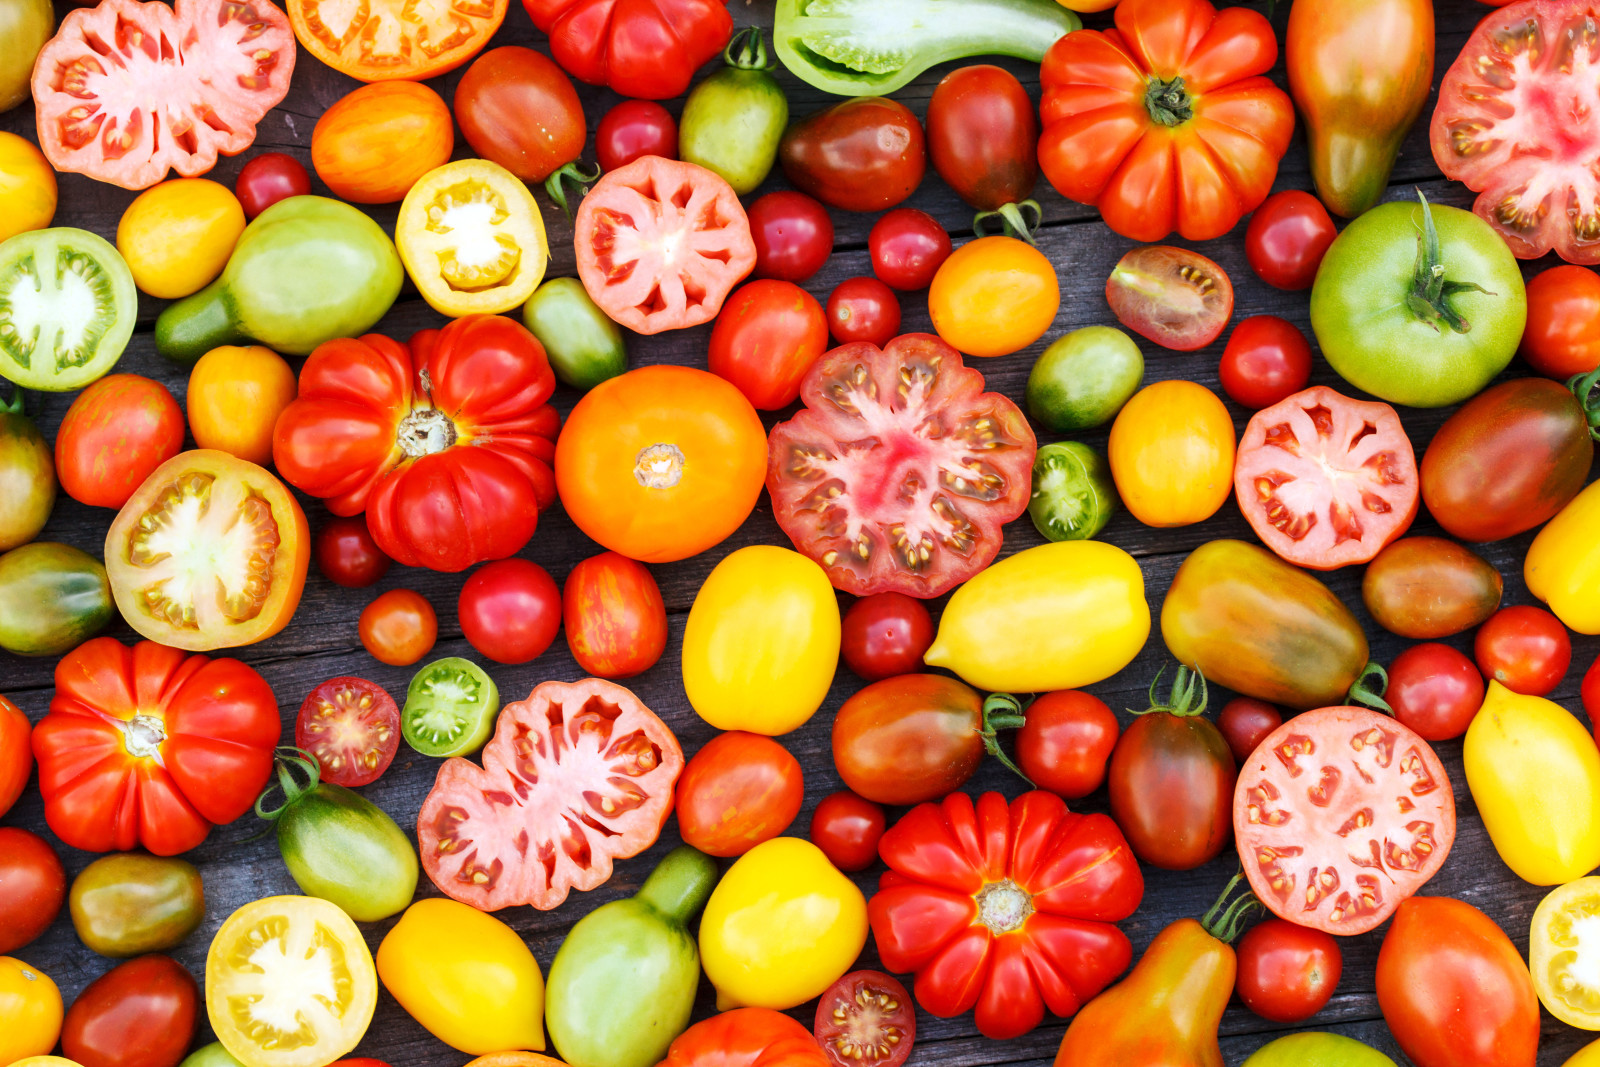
[[1564, 953]]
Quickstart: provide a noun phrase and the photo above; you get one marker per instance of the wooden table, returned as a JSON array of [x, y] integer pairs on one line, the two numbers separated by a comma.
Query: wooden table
[[321, 642]]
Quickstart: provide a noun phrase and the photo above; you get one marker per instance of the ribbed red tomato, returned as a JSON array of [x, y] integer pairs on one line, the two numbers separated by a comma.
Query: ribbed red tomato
[[615, 618]]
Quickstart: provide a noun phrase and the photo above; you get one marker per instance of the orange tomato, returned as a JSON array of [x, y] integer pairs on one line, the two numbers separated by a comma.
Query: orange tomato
[[1171, 452], [399, 627], [373, 145], [234, 399], [384, 40], [515, 1059], [615, 619], [994, 296], [16, 757]]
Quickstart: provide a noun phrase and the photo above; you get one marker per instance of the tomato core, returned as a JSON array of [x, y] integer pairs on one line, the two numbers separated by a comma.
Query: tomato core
[[1168, 101], [1004, 906], [143, 734], [659, 466], [425, 432]]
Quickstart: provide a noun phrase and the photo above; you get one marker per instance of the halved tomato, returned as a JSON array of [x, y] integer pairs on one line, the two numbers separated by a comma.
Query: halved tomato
[[1340, 814], [866, 1017], [378, 40], [210, 552], [1177, 298], [1326, 480], [1564, 959], [352, 726]]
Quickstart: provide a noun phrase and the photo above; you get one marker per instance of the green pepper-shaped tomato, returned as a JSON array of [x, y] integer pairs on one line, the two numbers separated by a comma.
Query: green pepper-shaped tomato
[[128, 904], [585, 347], [732, 121], [53, 598], [27, 476], [1317, 1050]]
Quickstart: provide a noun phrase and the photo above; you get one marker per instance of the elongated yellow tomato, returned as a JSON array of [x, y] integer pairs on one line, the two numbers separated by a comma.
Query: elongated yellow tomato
[[1057, 616], [1563, 564], [1564, 955], [993, 296], [1534, 773], [781, 927], [177, 236], [1171, 454], [46, 1061], [762, 641], [1587, 1056], [466, 976], [27, 187]]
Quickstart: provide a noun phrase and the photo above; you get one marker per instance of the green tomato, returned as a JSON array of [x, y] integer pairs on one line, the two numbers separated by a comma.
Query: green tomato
[[733, 121], [307, 270], [638, 958], [53, 598], [585, 347], [1317, 1050], [67, 308], [212, 1055], [450, 708], [129, 904], [1082, 380], [27, 476], [1073, 494], [25, 25], [1391, 324]]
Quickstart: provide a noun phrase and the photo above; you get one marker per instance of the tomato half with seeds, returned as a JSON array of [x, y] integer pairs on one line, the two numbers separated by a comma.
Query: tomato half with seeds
[[1177, 298], [352, 726], [866, 1017], [77, 293], [380, 40]]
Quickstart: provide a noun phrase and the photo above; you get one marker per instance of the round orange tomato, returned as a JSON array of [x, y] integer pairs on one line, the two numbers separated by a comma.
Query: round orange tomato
[[1171, 453], [993, 296], [739, 790], [661, 463], [235, 397], [399, 627], [615, 619], [373, 145], [386, 40]]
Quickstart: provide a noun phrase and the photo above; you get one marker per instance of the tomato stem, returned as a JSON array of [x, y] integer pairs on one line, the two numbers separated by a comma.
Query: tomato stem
[[1225, 921], [1180, 698], [1168, 101], [1586, 387], [290, 759], [1430, 293], [1002, 711], [556, 188], [14, 405], [1013, 221], [747, 50], [1363, 692]]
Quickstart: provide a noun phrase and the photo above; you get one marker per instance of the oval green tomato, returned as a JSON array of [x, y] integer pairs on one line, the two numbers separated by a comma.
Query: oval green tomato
[[342, 847], [585, 347], [25, 25], [67, 308], [1082, 380], [27, 476], [1317, 1050], [212, 1055], [1073, 494], [128, 904], [53, 598], [733, 120], [450, 708]]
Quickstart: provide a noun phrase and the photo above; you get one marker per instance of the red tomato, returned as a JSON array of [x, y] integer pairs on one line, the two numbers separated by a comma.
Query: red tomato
[[907, 247], [1287, 971], [983, 136], [866, 153], [1591, 693], [1065, 742], [765, 339], [399, 627], [739, 790], [1266, 360], [33, 885], [268, 178], [863, 309], [347, 555], [616, 621], [138, 1014], [115, 433], [510, 610], [746, 1037], [1562, 337], [1244, 721], [1325, 480], [847, 828], [866, 1017], [793, 235], [648, 48], [516, 108], [1287, 237], [16, 753], [1525, 649], [884, 635], [1318, 796], [352, 727], [1435, 690], [1177, 298], [632, 129]]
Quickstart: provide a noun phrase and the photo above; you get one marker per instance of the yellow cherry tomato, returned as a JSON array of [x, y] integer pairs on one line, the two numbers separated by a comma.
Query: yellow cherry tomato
[[177, 236], [993, 296], [1563, 563], [1587, 1056], [762, 641], [27, 187], [235, 397], [781, 927], [30, 1005], [466, 976], [1564, 953], [1056, 616], [1171, 454]]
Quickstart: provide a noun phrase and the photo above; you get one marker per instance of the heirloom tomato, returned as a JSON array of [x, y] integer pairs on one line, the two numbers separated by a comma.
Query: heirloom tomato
[[907, 248], [1317, 1050], [26, 26], [1177, 298], [792, 233], [983, 138], [1243, 722], [746, 1037], [867, 153], [234, 399], [74, 289], [52, 598], [31, 1006], [127, 904], [765, 339], [1073, 495], [27, 183], [518, 109], [27, 475], [398, 627], [1562, 567], [352, 728], [1287, 972], [386, 40], [1287, 237], [177, 236], [1082, 380], [739, 790], [1559, 957], [1172, 453], [847, 829], [615, 619], [372, 146], [16, 761], [866, 1015], [1065, 740], [1525, 649], [510, 610], [632, 129], [1562, 337], [1591, 691], [114, 435], [1428, 587], [35, 885], [648, 49], [347, 555], [885, 634], [994, 296], [863, 309], [1266, 360], [1435, 690], [267, 179], [450, 708], [732, 120], [582, 343], [138, 1014]]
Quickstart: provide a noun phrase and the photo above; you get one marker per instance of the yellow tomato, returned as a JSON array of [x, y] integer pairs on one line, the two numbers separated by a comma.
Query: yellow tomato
[[1534, 773], [27, 187], [993, 296], [1085, 6], [1564, 953], [1587, 1056], [235, 398], [466, 976], [1563, 564], [1056, 616], [46, 1061], [762, 641], [177, 236], [30, 1004], [1171, 454], [781, 927], [289, 983]]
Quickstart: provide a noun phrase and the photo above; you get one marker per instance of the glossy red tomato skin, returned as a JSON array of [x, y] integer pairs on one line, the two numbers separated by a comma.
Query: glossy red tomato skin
[[352, 726], [16, 755], [867, 153], [739, 790], [847, 828], [1562, 337], [1266, 360], [907, 247], [116, 433], [517, 108], [1171, 787], [885, 634], [1525, 649], [1591, 693], [908, 739], [510, 610], [399, 627], [615, 618], [1065, 741], [268, 178], [347, 555], [1287, 972], [793, 234], [1287, 237], [766, 337], [138, 1014], [1435, 690], [632, 129], [863, 309], [854, 1012], [983, 136], [1244, 721], [32, 887]]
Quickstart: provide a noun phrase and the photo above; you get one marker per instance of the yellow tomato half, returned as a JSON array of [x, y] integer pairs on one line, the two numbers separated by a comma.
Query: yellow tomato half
[[27, 187], [177, 236], [1564, 953], [1563, 563], [30, 1005], [1171, 454], [993, 296], [235, 397]]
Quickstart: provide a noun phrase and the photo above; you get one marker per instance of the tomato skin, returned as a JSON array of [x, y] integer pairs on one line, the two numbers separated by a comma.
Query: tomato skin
[[615, 619], [28, 190], [907, 248], [268, 178], [1525, 649], [648, 50], [52, 598], [1560, 566], [347, 555], [177, 236], [35, 886], [632, 129], [885, 634], [987, 274], [234, 398], [983, 136], [1287, 237], [867, 153], [1244, 721], [27, 476], [863, 309], [766, 337], [518, 109], [16, 762], [510, 610], [793, 235], [746, 1037], [1171, 787], [32, 1006], [1287, 972], [1267, 359], [127, 904], [909, 739], [1429, 587], [372, 146], [1435, 690], [1177, 298], [115, 433], [1172, 454], [352, 728], [866, 1010], [739, 790], [1591, 691], [139, 1014], [399, 627], [1561, 338], [1066, 741], [847, 828]]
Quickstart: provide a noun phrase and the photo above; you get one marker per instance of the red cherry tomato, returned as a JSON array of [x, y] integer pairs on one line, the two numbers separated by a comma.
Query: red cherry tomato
[[347, 555], [632, 129], [1287, 237], [138, 1014], [33, 885], [793, 235], [846, 827], [1435, 690], [268, 178], [866, 1017], [510, 610], [1562, 337], [1525, 649], [615, 619], [739, 790], [1065, 741], [352, 726], [399, 627], [1591, 694], [885, 634], [765, 338], [1287, 971], [907, 246], [863, 309], [1266, 360], [1244, 721]]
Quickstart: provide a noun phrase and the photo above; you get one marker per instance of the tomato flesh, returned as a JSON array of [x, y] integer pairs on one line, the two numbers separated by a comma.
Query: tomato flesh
[[866, 1017], [378, 40], [352, 726], [1177, 298]]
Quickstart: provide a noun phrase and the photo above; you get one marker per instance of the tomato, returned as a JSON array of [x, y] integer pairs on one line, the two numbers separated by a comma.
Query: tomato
[[660, 244], [138, 1014], [1287, 972], [746, 1037], [16, 762], [1065, 742], [867, 153], [1525, 649], [1591, 691], [518, 109], [27, 184], [907, 247], [177, 236], [352, 727], [1073, 495], [1563, 313], [31, 1005], [1177, 298], [793, 235], [994, 296], [838, 472], [1435, 690], [739, 790], [847, 828], [1287, 237], [35, 885], [127, 904], [1562, 567], [54, 598], [615, 619], [583, 345], [765, 339], [347, 555], [983, 136], [863, 309], [732, 120], [1317, 1050], [27, 478], [510, 610], [1559, 959], [398, 627], [450, 708], [115, 433], [648, 49], [632, 129], [1172, 453], [866, 1015], [578, 775], [661, 463], [27, 27], [234, 399], [392, 39], [275, 1003], [1266, 361], [75, 289], [1453, 988], [1360, 854], [373, 145], [1243, 722], [515, 1059], [885, 634], [1428, 587], [267, 179], [1082, 380]]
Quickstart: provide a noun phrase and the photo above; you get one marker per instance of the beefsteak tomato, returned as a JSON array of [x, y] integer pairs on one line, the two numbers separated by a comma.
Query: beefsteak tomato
[[385, 40], [648, 49]]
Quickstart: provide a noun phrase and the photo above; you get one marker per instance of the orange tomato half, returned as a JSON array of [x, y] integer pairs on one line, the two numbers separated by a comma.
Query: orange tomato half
[[386, 40], [235, 397], [372, 146]]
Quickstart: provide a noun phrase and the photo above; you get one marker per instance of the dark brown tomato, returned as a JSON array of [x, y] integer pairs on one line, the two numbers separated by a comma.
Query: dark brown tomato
[[1171, 786], [138, 1014], [908, 739], [127, 904], [865, 154], [983, 136], [1428, 587]]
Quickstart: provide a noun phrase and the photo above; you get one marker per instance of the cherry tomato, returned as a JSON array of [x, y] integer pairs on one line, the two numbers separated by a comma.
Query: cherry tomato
[[793, 235], [1065, 741], [1562, 337], [1287, 972], [632, 129], [510, 610], [399, 627], [846, 827], [1177, 298], [907, 246], [347, 555], [138, 1014], [1525, 649], [1287, 237], [739, 790], [866, 1017], [1591, 694], [32, 887], [863, 309], [1244, 721], [1266, 360], [885, 634], [1435, 690], [268, 178], [765, 339], [352, 726]]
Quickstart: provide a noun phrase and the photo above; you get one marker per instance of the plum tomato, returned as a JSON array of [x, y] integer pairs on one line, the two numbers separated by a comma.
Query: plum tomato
[[793, 235], [35, 885], [352, 727], [347, 555], [141, 1013], [1525, 649], [234, 399], [1244, 721], [739, 790], [615, 618], [1177, 298], [766, 337], [847, 827], [867, 153], [983, 136], [1065, 741], [1430, 587], [1562, 337], [510, 610], [1287, 972], [373, 145], [885, 634], [866, 1017], [907, 247], [1435, 690], [1287, 237], [268, 178], [1266, 360], [114, 435], [517, 108], [399, 627], [863, 309], [632, 129]]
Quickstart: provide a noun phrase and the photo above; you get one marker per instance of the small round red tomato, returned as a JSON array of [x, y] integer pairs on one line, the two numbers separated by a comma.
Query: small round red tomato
[[347, 555], [1177, 298], [885, 634], [793, 235], [1591, 693], [510, 610], [847, 828], [863, 309], [1562, 337], [352, 726], [34, 886], [615, 618], [1244, 721], [518, 109], [1435, 690], [632, 129], [1266, 360], [138, 1014], [1287, 971], [765, 339], [115, 433], [739, 790], [399, 627], [866, 1017], [907, 246], [1287, 237], [1525, 649], [268, 178], [1065, 741]]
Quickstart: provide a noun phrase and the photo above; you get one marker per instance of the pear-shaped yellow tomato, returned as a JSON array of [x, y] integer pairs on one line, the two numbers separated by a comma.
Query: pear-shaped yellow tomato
[[762, 641], [1534, 773], [781, 927], [1171, 454], [1058, 616], [1563, 564], [1564, 955]]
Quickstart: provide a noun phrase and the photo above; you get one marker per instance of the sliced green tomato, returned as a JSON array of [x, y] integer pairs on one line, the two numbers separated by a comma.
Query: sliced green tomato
[[1073, 494], [1564, 953], [450, 708], [67, 308]]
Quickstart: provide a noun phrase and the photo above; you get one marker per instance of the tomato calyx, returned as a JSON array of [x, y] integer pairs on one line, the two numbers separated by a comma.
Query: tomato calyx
[[555, 185], [1429, 296], [424, 432], [289, 760], [1180, 700], [1168, 101], [1363, 692], [1004, 906], [1013, 219], [1586, 387], [1225, 921], [1002, 711], [747, 50], [143, 735]]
